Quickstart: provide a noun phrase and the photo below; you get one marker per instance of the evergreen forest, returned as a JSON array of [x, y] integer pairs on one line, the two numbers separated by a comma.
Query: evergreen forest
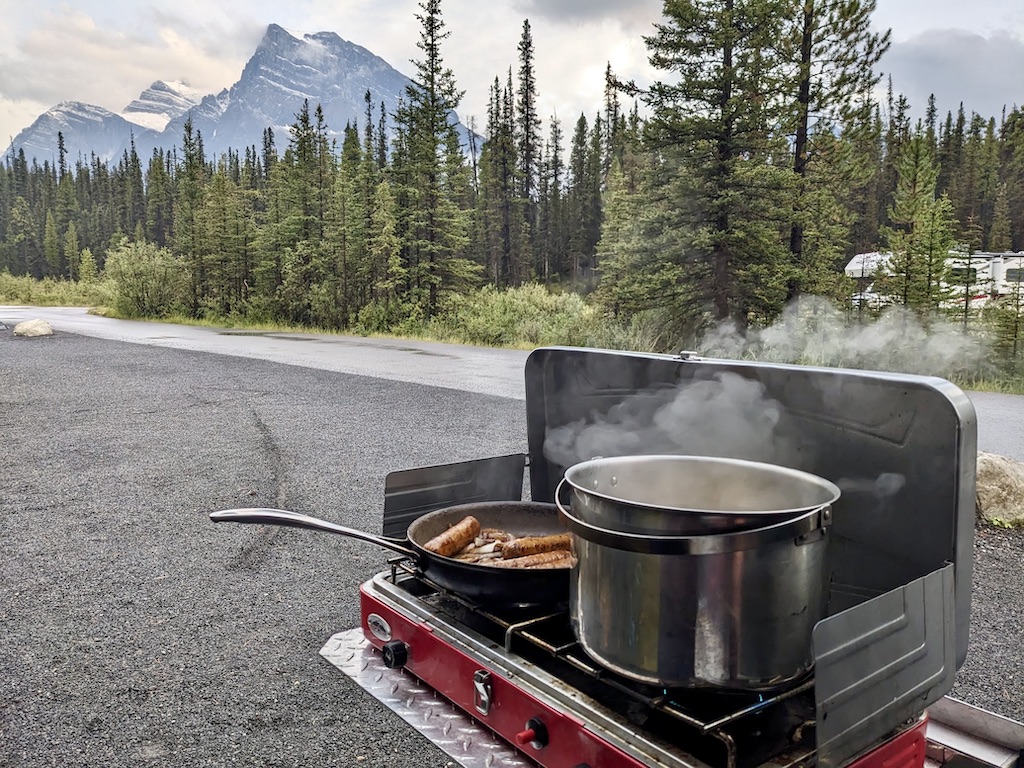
[[767, 153]]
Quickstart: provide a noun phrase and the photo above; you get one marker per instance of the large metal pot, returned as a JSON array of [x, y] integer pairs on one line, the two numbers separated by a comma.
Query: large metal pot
[[728, 610], [683, 495]]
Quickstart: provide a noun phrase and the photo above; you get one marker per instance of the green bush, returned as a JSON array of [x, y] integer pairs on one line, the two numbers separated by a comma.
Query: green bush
[[528, 315], [148, 281], [49, 292], [533, 316], [389, 316]]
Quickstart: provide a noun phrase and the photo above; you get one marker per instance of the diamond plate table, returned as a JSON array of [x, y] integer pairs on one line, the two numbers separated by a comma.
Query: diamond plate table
[[440, 722]]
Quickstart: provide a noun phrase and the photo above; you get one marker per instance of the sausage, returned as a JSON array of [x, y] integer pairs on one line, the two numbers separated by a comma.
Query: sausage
[[568, 560], [455, 538], [494, 534], [538, 560], [532, 545]]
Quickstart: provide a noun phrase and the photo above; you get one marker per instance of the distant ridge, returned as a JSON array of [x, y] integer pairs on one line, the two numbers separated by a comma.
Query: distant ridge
[[286, 69]]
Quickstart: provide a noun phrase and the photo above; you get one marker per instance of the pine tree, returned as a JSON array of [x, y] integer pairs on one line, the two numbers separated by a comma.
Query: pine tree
[[87, 269], [836, 53], [159, 201], [1012, 157], [385, 247], [718, 121], [51, 246], [861, 196], [347, 270], [527, 122], [434, 227], [999, 239], [225, 226], [191, 178], [551, 250], [72, 252], [921, 236]]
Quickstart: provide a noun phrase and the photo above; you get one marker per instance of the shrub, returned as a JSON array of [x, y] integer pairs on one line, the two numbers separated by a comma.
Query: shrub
[[148, 281], [49, 292]]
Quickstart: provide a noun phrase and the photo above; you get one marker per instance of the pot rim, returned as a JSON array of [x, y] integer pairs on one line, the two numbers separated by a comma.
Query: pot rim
[[831, 488], [806, 528]]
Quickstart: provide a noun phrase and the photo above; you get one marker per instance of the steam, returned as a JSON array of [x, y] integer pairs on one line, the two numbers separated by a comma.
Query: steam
[[884, 486], [726, 415], [812, 331]]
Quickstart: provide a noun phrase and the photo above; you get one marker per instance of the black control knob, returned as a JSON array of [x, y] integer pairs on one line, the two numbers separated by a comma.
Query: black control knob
[[395, 653], [535, 734]]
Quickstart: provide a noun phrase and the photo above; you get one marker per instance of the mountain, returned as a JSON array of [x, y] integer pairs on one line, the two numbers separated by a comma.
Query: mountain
[[286, 69], [86, 129], [161, 103]]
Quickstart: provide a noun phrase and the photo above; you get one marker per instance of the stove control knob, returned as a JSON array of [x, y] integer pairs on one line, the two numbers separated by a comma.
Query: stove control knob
[[396, 654], [535, 734]]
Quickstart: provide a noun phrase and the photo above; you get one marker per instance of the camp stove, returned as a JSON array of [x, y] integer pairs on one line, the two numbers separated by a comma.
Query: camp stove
[[902, 449], [522, 676]]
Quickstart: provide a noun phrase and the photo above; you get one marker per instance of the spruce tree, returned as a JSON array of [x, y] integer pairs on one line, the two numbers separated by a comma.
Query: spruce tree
[[836, 53], [1012, 156], [434, 227], [550, 253], [999, 239], [718, 122], [51, 246], [191, 180], [921, 236], [72, 251], [528, 125]]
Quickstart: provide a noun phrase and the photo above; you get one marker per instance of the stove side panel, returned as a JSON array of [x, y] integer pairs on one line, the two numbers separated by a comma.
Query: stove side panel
[[881, 663]]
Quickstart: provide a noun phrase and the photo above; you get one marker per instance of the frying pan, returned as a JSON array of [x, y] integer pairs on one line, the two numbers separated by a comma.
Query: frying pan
[[481, 583]]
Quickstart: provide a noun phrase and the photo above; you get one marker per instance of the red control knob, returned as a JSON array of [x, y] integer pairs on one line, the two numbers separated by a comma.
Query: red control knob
[[525, 737], [535, 734]]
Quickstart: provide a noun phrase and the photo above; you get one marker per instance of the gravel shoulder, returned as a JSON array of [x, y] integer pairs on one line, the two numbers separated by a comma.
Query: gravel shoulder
[[137, 633]]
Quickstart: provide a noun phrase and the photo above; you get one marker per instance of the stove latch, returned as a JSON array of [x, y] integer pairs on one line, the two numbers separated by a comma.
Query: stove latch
[[482, 691]]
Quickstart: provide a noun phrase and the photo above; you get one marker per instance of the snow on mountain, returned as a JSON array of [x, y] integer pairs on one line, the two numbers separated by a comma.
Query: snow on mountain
[[160, 103], [286, 69], [86, 128]]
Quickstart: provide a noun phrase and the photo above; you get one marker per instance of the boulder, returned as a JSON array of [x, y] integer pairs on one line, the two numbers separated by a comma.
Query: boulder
[[1000, 488], [30, 328]]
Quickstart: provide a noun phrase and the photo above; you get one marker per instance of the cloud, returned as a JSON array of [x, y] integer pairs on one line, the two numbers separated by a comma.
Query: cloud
[[631, 14], [69, 56], [957, 66]]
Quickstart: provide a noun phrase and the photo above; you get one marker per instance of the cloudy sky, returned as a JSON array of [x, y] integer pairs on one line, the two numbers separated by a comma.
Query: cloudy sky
[[106, 52]]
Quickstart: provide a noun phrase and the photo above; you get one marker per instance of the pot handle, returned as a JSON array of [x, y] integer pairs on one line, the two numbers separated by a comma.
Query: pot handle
[[795, 530], [265, 516]]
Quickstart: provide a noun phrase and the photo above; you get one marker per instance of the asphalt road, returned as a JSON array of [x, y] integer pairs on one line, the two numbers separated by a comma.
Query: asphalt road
[[137, 633]]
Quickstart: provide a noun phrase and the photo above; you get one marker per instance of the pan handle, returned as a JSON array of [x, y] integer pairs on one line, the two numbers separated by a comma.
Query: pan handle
[[265, 516]]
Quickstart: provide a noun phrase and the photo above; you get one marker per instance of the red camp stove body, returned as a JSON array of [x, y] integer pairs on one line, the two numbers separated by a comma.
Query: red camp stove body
[[509, 678]]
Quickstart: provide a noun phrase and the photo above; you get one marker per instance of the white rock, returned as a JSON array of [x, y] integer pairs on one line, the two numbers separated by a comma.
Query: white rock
[[33, 328], [1000, 489]]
